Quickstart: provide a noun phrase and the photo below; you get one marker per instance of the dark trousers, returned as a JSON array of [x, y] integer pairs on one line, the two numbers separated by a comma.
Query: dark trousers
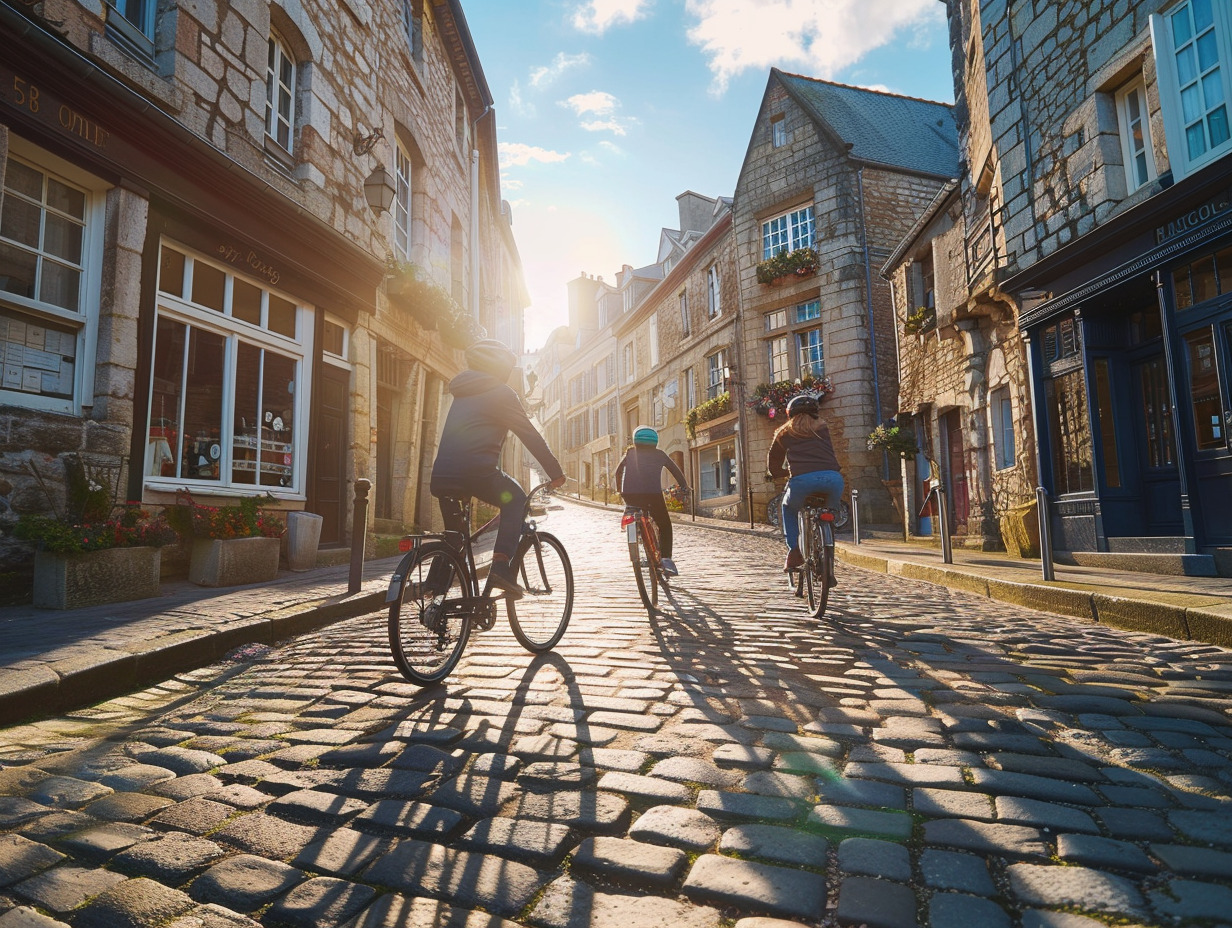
[[497, 489], [654, 504]]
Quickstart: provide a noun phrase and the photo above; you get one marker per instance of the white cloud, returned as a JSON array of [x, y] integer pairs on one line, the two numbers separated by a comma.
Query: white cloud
[[517, 104], [598, 15], [614, 126], [612, 148], [597, 102], [542, 76], [516, 154], [819, 37]]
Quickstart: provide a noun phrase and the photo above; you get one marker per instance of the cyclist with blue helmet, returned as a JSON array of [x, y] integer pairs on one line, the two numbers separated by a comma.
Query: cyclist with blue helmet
[[639, 477], [803, 452]]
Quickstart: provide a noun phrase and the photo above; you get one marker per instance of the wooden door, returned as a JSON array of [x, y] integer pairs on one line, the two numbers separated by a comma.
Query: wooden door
[[329, 498]]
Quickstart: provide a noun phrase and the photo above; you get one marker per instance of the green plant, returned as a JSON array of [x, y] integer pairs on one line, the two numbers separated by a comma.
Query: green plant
[[801, 262], [893, 439], [133, 528], [771, 399], [923, 319], [241, 520], [704, 412], [461, 330], [412, 291]]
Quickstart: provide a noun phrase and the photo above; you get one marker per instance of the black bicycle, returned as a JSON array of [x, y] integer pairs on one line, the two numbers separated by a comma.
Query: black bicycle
[[436, 601], [815, 577]]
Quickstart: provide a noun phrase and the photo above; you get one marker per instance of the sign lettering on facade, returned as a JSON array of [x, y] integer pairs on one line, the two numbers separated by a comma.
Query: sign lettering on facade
[[251, 260], [1195, 217], [24, 94]]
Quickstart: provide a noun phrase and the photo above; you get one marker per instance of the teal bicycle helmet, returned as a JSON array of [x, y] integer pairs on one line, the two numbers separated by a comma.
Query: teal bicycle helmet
[[646, 436]]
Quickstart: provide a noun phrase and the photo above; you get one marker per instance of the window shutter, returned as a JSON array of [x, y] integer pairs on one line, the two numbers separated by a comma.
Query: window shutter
[[1169, 94]]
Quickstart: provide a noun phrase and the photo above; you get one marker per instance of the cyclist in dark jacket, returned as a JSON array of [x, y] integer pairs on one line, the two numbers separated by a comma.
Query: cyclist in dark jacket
[[639, 479], [483, 413], [803, 442]]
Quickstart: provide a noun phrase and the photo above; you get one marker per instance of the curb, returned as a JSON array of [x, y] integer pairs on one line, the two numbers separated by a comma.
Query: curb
[[107, 673]]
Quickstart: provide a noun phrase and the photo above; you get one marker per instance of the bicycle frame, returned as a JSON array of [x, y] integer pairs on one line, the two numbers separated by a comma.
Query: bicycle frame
[[635, 520]]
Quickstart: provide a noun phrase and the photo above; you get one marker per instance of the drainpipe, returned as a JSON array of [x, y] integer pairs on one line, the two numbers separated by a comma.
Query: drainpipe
[[475, 213], [868, 305]]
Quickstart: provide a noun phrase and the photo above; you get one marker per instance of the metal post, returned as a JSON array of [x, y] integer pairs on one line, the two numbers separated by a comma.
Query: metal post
[[1045, 529], [855, 515], [943, 512], [359, 534]]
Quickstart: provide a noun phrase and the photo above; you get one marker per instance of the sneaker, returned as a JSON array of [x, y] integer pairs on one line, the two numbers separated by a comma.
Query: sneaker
[[794, 560], [669, 567], [502, 578]]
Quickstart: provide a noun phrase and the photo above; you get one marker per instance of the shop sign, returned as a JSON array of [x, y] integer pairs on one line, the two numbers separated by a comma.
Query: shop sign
[[249, 260], [27, 96], [1195, 217]]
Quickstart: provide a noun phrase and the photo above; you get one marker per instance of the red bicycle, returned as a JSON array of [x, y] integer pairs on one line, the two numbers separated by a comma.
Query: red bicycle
[[643, 536]]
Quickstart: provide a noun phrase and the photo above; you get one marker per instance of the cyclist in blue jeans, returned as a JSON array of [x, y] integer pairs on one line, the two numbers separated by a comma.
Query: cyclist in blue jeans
[[803, 443]]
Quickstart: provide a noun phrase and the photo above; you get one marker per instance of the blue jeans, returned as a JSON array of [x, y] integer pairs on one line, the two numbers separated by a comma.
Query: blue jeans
[[800, 488]]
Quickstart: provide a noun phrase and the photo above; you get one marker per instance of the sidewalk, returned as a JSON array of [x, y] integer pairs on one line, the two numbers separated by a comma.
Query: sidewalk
[[1188, 608], [53, 661]]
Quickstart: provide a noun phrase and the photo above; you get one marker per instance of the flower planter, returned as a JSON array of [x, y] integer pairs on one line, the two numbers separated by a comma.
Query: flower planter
[[92, 578], [234, 561]]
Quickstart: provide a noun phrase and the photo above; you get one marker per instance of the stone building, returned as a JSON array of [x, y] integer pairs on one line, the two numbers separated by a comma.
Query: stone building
[[1108, 175], [191, 274], [833, 179]]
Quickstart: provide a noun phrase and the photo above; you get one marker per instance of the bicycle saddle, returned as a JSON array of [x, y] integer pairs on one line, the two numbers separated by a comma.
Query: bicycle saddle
[[817, 500]]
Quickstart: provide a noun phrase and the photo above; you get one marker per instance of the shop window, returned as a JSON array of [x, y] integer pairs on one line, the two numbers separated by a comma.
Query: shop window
[[1135, 134], [1192, 56], [811, 354], [1107, 424], [1204, 393], [714, 305], [780, 359], [717, 470], [1069, 430], [1002, 427], [1203, 279], [225, 383], [788, 232], [50, 263], [280, 93], [1157, 414]]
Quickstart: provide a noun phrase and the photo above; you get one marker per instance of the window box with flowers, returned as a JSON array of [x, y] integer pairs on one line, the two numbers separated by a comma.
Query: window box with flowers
[[920, 321], [771, 399], [411, 290], [895, 440], [721, 405], [231, 545], [802, 262]]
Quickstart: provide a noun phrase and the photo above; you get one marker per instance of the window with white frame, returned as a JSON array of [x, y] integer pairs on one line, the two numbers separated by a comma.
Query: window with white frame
[[788, 232], [714, 305], [778, 130], [716, 367], [780, 359], [809, 310], [135, 24], [402, 203], [775, 320], [412, 26], [228, 381], [1135, 134], [812, 357], [1192, 58], [1002, 412], [717, 470], [280, 93], [690, 388], [51, 229], [684, 313], [335, 342], [654, 340], [671, 393], [626, 298]]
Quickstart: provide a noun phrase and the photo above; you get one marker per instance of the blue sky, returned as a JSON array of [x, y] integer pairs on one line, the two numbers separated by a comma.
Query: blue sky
[[607, 110]]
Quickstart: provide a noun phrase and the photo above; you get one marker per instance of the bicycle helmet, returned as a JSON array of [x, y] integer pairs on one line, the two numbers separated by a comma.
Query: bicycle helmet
[[490, 356], [646, 436], [804, 404]]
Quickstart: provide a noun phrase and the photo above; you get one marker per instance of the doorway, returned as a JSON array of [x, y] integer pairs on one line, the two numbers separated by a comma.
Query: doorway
[[329, 454], [956, 470]]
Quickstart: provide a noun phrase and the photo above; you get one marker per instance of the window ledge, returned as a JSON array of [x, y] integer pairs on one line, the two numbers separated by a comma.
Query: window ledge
[[279, 158], [136, 71]]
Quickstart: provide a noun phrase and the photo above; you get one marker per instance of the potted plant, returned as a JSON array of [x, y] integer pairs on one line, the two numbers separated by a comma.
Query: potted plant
[[461, 330], [802, 262], [232, 544], [89, 563], [771, 399], [412, 291], [893, 438], [920, 320]]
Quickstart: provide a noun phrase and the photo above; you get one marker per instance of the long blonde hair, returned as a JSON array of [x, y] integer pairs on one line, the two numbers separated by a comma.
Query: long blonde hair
[[804, 425]]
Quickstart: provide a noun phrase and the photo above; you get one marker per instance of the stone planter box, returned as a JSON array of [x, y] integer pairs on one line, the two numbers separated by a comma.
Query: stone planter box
[[92, 578], [234, 561]]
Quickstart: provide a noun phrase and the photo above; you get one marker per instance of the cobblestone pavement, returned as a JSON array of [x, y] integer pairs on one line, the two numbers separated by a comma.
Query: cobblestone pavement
[[920, 758]]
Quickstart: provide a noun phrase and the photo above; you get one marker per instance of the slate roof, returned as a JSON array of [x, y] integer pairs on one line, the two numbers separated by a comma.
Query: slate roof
[[902, 132]]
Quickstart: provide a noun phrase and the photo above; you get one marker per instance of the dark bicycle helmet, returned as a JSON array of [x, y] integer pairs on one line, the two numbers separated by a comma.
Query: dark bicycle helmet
[[804, 404], [490, 356]]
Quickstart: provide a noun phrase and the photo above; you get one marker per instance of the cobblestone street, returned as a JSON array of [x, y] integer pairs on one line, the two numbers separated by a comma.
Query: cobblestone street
[[921, 757]]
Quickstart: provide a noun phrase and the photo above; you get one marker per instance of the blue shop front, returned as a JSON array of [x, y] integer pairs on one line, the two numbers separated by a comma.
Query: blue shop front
[[1130, 345]]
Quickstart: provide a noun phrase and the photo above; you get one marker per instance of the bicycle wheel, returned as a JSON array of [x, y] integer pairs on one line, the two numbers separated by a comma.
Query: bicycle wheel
[[645, 571], [818, 566], [774, 511], [540, 617], [430, 621]]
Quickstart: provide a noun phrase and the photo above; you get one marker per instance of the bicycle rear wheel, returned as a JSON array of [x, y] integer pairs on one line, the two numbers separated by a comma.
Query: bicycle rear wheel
[[540, 617], [430, 622], [819, 566], [645, 571]]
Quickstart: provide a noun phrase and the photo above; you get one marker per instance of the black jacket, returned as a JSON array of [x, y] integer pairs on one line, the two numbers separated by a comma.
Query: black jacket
[[640, 471], [483, 413]]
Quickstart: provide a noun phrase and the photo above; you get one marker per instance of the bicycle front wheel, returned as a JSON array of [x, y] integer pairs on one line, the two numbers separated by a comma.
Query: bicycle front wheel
[[540, 617], [645, 571], [430, 622]]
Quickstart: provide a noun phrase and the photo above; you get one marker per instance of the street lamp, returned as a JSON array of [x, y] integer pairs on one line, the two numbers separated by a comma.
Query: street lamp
[[379, 189]]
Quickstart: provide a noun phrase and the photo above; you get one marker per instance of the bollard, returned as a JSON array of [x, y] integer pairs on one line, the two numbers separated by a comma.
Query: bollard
[[1045, 527], [359, 534], [943, 510], [855, 516]]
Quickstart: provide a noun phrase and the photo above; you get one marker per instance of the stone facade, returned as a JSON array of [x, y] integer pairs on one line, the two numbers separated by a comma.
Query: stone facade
[[163, 127]]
